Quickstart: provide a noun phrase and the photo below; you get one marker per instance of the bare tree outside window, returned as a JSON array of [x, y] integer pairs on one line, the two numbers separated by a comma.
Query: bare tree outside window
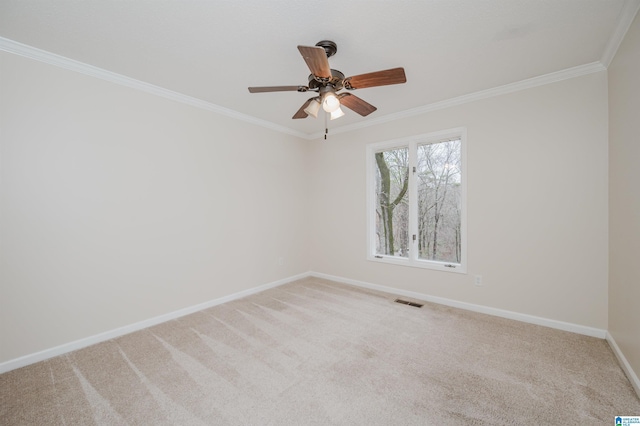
[[392, 212], [418, 196], [439, 202]]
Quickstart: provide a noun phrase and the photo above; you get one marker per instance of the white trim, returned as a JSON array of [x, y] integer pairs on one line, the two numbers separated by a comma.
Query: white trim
[[112, 334], [531, 319], [472, 97], [625, 19], [82, 68], [626, 367], [82, 343], [411, 143], [30, 52]]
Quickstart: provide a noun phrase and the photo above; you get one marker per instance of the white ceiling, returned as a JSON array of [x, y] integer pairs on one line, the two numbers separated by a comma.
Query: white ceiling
[[213, 50]]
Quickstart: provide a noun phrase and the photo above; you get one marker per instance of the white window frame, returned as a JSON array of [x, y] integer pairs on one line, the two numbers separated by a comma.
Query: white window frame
[[412, 142]]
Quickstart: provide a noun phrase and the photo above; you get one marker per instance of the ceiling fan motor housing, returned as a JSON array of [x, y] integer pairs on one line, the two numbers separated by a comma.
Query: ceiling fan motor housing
[[335, 80], [329, 47]]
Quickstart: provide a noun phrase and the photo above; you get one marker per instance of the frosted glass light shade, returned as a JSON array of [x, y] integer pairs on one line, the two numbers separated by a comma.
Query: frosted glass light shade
[[330, 102], [337, 113], [313, 108]]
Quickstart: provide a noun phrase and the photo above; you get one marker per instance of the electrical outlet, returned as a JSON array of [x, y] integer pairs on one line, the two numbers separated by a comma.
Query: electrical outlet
[[281, 261], [478, 280]]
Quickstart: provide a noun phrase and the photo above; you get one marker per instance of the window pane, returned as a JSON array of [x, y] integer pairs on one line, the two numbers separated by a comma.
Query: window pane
[[392, 202], [439, 201]]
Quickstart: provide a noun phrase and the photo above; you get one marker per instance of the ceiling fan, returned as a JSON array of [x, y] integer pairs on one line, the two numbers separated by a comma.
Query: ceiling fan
[[328, 82]]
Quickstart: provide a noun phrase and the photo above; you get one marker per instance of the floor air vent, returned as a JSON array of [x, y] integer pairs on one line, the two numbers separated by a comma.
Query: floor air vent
[[406, 302]]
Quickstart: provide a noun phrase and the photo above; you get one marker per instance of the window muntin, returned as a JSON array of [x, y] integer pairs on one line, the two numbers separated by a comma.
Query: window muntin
[[416, 201]]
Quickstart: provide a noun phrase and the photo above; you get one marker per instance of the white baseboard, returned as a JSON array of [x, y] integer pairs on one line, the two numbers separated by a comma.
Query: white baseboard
[[560, 325], [111, 334], [626, 367], [91, 340]]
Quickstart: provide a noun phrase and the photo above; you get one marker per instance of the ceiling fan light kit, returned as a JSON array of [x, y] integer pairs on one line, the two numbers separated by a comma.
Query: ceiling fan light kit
[[337, 113], [313, 108], [330, 103], [328, 82]]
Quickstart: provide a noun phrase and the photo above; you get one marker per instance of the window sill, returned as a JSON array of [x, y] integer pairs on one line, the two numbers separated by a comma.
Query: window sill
[[417, 263]]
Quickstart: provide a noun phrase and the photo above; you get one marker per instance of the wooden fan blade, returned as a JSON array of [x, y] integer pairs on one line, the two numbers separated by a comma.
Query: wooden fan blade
[[356, 104], [278, 89], [301, 113], [377, 78], [317, 61]]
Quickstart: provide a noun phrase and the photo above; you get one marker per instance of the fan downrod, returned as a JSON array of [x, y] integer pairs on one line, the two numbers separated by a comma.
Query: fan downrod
[[329, 47]]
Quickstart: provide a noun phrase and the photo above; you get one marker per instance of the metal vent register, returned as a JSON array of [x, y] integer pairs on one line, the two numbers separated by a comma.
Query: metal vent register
[[406, 302]]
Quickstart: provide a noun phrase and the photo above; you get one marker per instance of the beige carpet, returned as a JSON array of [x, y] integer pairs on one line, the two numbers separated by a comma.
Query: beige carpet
[[318, 352]]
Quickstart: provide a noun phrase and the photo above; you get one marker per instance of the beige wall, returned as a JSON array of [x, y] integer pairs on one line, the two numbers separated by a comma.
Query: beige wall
[[537, 203], [624, 197], [118, 206]]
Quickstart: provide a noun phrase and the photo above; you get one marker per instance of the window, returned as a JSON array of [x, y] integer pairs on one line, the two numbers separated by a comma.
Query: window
[[416, 201]]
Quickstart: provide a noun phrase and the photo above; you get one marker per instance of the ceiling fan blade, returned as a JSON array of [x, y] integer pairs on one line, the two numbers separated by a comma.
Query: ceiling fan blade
[[317, 61], [278, 89], [356, 104], [301, 113], [377, 78]]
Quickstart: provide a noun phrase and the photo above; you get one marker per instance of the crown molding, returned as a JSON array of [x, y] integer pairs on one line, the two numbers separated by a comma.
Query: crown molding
[[625, 19], [30, 52], [483, 94]]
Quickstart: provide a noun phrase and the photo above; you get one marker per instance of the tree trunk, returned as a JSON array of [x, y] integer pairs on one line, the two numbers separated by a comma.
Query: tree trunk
[[386, 205], [436, 218], [385, 188]]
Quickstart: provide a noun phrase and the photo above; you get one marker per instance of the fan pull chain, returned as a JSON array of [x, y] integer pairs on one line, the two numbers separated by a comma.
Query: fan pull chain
[[326, 126]]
